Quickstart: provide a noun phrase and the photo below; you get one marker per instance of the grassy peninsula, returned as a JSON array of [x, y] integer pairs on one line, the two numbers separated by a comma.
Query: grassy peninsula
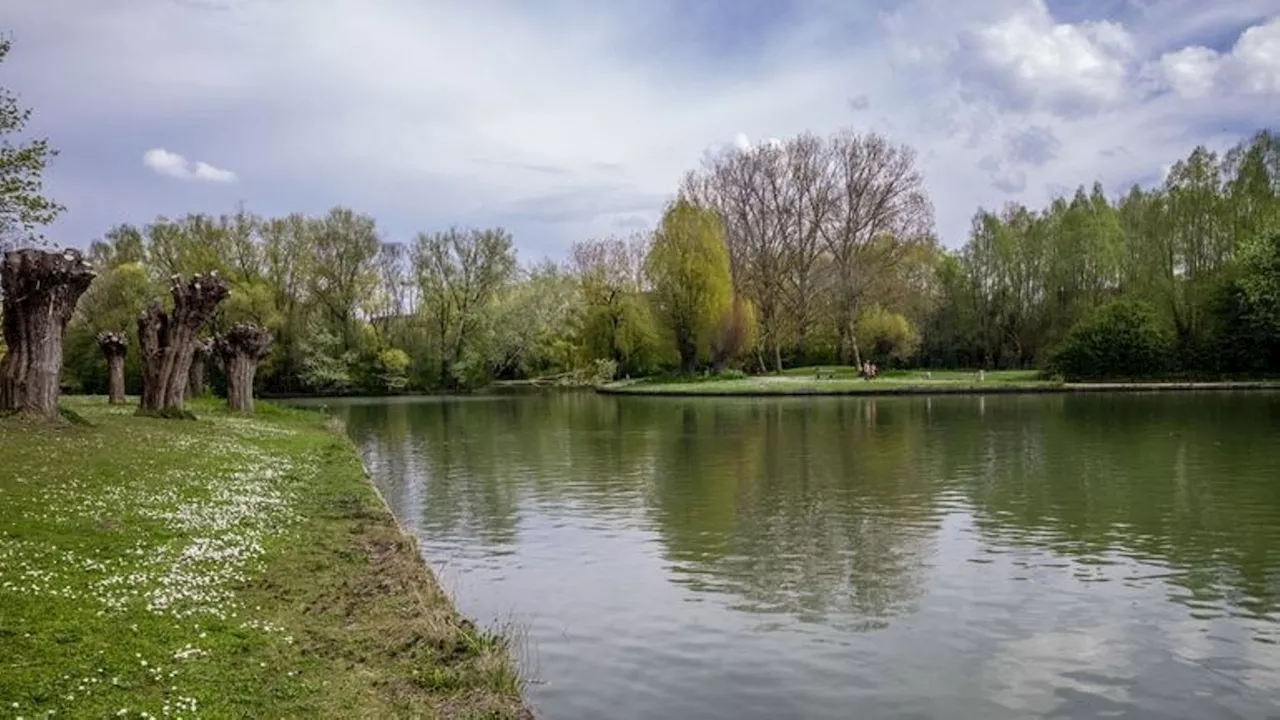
[[842, 380], [227, 567]]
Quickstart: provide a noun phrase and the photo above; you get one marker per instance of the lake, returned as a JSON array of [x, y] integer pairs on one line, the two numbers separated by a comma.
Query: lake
[[949, 557]]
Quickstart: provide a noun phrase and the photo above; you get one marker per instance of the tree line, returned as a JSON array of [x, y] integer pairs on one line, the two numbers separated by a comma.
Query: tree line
[[812, 250]]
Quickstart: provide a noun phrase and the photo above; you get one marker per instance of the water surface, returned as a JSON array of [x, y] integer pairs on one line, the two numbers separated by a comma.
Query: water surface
[[957, 557]]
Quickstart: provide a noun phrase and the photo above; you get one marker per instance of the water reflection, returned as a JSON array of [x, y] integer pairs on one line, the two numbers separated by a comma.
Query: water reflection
[[925, 557]]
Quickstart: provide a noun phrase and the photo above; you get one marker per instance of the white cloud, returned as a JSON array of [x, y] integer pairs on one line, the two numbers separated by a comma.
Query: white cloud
[[563, 120], [171, 164], [1191, 71], [1258, 52], [1060, 63], [1252, 65]]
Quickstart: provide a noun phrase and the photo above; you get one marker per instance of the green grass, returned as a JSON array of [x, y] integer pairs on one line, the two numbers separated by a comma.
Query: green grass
[[846, 372], [837, 380], [227, 567]]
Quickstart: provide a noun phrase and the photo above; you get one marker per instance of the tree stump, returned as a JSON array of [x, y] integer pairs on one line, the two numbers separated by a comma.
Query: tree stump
[[114, 346], [167, 341], [242, 348], [195, 378], [40, 290]]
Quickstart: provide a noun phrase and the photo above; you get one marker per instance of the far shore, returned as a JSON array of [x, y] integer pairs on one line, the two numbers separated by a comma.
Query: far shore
[[785, 386]]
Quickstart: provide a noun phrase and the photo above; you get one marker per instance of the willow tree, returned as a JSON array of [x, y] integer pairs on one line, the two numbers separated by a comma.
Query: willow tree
[[195, 376], [114, 345], [242, 348], [167, 341], [40, 290], [688, 268]]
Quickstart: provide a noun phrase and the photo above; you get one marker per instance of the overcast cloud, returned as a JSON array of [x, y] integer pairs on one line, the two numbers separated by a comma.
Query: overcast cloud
[[563, 119]]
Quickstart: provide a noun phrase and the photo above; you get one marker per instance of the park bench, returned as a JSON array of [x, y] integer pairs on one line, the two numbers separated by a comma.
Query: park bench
[[825, 374]]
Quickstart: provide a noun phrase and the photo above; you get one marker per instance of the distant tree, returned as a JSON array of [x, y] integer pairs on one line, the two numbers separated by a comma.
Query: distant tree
[[1119, 340], [616, 323], [688, 268], [114, 345], [344, 245], [167, 341], [196, 375], [1261, 276], [23, 204], [887, 336], [242, 348], [734, 335], [460, 273]]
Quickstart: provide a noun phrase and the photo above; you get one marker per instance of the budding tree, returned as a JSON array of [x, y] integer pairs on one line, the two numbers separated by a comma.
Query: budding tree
[[114, 346], [242, 348], [40, 290], [167, 341], [882, 211]]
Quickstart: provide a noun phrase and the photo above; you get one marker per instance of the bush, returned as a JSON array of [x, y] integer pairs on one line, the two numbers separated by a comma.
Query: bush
[[1122, 339]]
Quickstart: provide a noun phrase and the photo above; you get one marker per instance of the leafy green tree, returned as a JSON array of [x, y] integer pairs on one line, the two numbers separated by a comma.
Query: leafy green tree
[[529, 316], [343, 245], [23, 204], [111, 304], [393, 363], [688, 268], [460, 273], [888, 336], [1122, 339], [1260, 279]]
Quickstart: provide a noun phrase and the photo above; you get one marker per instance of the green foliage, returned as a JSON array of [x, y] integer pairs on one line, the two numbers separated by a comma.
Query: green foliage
[[23, 205], [460, 274], [1119, 340], [688, 267], [393, 363], [1260, 276], [110, 304], [888, 337], [325, 368]]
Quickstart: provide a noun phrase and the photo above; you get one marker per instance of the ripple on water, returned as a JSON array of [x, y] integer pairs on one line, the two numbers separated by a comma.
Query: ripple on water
[[1002, 557]]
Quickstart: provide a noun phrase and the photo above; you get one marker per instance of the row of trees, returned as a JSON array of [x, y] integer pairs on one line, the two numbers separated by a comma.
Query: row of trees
[[806, 251], [1197, 254]]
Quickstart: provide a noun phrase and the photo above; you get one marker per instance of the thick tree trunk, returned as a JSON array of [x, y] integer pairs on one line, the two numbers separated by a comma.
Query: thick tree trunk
[[40, 291], [167, 342], [195, 378], [114, 346], [242, 348]]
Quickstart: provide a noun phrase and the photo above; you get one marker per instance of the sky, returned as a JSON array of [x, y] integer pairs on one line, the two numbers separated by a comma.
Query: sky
[[562, 120]]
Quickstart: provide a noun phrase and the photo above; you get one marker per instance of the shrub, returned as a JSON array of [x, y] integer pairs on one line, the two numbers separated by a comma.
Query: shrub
[[1122, 339]]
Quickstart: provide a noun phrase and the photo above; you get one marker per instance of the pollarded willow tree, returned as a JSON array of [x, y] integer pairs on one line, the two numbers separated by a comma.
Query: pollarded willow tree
[[40, 290], [167, 341], [114, 345], [195, 377], [241, 349]]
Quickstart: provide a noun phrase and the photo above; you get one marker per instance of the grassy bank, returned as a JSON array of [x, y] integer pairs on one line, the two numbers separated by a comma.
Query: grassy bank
[[226, 567], [845, 381]]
